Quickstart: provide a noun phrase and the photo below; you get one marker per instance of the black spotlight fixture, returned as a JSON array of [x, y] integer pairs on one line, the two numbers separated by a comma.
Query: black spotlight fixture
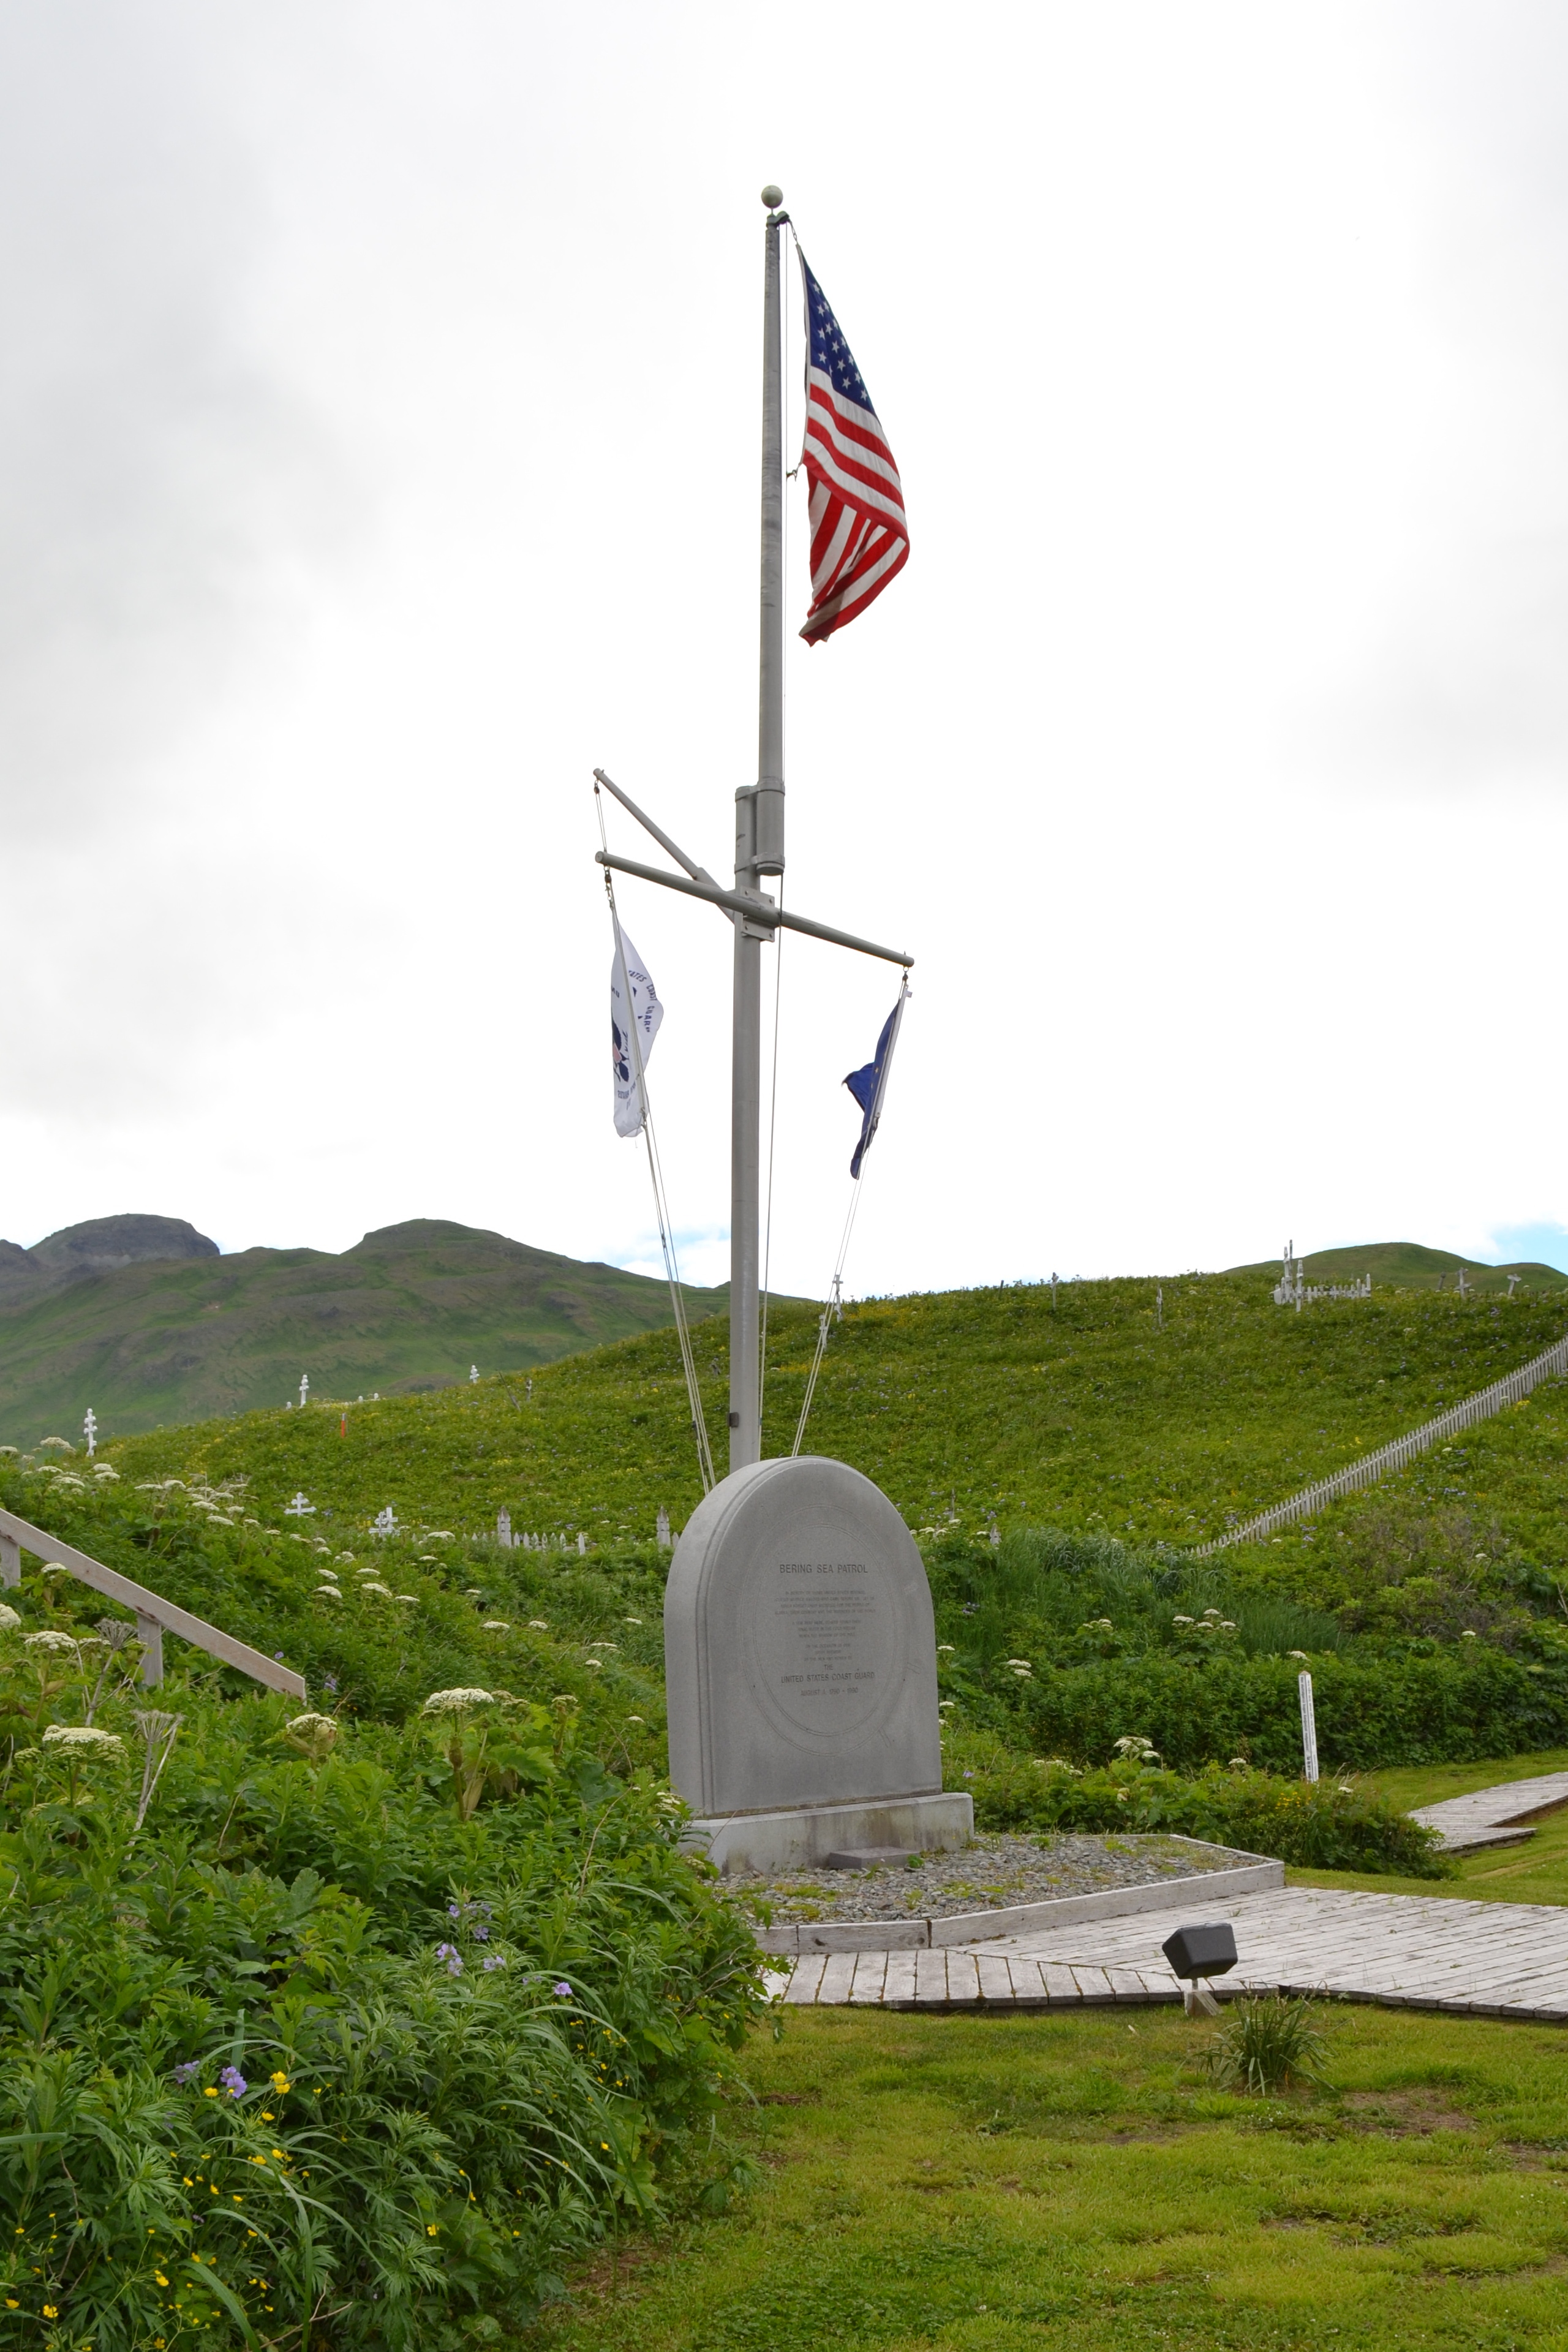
[[1196, 1954]]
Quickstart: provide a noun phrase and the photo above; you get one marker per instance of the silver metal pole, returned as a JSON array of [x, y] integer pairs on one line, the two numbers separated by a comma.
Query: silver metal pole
[[759, 850], [768, 915]]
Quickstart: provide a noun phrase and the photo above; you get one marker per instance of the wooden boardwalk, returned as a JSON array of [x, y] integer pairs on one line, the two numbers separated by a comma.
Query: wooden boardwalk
[[1409, 1951], [1499, 1816]]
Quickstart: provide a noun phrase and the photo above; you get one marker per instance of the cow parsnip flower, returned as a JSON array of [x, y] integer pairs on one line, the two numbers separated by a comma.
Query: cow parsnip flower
[[85, 1739], [457, 1702]]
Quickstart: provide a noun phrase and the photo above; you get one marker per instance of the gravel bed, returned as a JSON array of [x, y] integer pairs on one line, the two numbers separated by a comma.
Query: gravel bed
[[992, 1875]]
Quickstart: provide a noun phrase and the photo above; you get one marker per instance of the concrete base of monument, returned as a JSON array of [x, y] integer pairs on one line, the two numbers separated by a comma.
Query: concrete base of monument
[[1254, 1874], [803, 1837]]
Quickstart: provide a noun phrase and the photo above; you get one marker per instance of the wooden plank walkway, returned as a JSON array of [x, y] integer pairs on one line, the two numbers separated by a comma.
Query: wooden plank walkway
[[1411, 1951], [1499, 1816]]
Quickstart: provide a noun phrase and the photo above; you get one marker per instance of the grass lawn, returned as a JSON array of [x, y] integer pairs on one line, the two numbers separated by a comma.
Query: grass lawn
[[996, 2181]]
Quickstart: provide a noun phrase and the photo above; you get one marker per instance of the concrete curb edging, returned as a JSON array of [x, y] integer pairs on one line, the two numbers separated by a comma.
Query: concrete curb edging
[[1254, 1875]]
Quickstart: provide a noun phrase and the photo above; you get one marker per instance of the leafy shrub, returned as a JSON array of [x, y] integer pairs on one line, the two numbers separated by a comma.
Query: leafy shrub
[[368, 2025], [1269, 2042], [1322, 1825]]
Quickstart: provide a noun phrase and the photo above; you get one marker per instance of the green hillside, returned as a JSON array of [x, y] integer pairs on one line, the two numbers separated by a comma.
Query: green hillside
[[1410, 1266], [176, 1339], [1102, 1410]]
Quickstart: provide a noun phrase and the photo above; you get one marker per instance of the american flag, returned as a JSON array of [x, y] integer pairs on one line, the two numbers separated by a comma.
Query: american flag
[[859, 538]]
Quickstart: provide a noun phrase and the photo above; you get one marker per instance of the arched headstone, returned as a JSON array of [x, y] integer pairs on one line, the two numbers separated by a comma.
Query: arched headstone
[[800, 1661]]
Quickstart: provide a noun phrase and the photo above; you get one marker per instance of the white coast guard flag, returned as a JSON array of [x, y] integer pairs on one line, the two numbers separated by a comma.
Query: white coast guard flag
[[648, 1012]]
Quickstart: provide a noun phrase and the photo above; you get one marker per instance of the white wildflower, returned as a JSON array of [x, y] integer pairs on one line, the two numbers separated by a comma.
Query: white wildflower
[[47, 1640], [313, 1735], [82, 1739], [496, 1626], [457, 1702], [327, 1592], [64, 1443], [9, 1621], [371, 1585], [594, 1664], [539, 1625]]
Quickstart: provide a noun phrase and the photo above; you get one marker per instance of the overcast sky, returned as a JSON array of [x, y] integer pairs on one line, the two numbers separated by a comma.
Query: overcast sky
[[379, 404]]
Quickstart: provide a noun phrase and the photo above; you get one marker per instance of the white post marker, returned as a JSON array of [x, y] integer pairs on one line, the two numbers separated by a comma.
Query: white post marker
[[473, 1372], [661, 1529], [503, 1528], [90, 1431], [304, 1387], [1309, 1726]]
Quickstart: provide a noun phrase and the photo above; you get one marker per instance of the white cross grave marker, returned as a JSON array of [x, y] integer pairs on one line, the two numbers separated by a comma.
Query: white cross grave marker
[[661, 1529], [473, 1371], [386, 1523], [299, 1508], [90, 1428], [304, 1387]]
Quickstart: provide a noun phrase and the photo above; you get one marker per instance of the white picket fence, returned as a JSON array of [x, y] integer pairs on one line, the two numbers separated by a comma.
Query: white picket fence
[[1550, 1366]]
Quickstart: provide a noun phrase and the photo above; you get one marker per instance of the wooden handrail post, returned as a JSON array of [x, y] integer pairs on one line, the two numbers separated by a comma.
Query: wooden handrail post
[[150, 1633]]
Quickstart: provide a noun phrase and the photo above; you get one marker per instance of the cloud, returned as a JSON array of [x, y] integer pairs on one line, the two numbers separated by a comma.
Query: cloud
[[161, 478]]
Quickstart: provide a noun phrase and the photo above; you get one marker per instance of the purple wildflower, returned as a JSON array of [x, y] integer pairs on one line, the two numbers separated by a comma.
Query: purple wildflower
[[453, 1910], [453, 1958], [969, 1776], [187, 2072], [234, 2082], [330, 1682], [494, 1960], [562, 1991], [481, 1935]]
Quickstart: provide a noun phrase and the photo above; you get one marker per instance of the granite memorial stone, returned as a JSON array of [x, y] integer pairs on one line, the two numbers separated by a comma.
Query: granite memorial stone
[[800, 1658]]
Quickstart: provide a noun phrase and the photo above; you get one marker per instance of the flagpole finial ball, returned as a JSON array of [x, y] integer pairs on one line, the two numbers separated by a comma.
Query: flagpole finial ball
[[773, 198]]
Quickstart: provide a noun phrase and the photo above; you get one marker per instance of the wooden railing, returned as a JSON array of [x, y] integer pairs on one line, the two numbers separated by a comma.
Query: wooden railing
[[1552, 1365], [154, 1615]]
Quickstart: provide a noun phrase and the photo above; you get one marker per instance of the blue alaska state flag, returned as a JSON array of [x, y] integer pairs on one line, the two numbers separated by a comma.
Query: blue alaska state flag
[[870, 1086]]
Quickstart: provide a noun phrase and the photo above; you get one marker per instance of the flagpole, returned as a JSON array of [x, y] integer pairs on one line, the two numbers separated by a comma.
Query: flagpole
[[759, 851]]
